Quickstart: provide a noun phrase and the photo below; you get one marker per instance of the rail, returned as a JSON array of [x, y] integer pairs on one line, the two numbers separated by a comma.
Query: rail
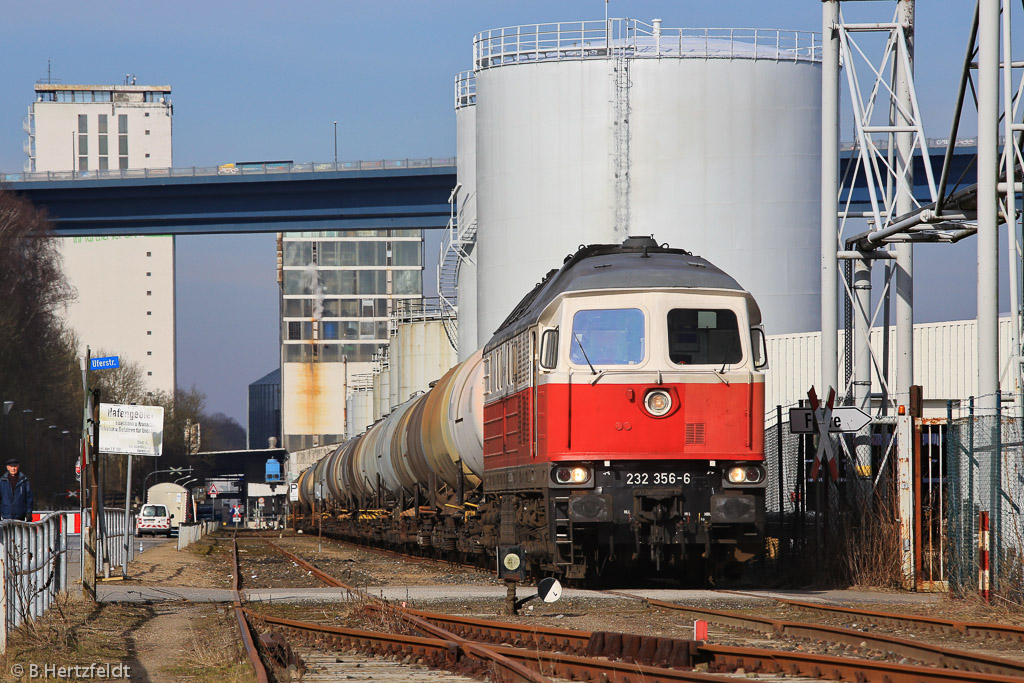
[[576, 40], [34, 564], [230, 170]]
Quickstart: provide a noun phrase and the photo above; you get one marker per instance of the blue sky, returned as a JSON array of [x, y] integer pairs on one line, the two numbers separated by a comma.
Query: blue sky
[[265, 80]]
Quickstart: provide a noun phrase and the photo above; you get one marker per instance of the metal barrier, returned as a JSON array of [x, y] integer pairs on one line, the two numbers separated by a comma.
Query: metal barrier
[[114, 540], [34, 564], [190, 533]]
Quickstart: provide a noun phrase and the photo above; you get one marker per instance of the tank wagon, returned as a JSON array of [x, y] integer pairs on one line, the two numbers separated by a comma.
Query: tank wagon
[[614, 420]]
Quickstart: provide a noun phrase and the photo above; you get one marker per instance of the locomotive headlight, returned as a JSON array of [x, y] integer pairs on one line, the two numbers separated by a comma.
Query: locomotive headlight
[[572, 475], [658, 402], [744, 475]]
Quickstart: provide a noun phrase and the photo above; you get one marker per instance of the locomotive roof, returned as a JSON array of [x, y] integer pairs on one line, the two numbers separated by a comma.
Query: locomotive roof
[[637, 263]]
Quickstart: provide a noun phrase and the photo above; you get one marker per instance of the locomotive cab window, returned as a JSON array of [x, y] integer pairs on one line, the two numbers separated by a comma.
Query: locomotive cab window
[[703, 337], [612, 336]]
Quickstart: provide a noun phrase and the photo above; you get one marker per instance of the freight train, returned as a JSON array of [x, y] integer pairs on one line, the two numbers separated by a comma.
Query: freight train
[[613, 422]]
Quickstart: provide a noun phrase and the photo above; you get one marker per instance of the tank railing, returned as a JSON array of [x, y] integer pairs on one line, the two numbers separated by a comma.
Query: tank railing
[[629, 37], [230, 169], [465, 89], [34, 563], [416, 310]]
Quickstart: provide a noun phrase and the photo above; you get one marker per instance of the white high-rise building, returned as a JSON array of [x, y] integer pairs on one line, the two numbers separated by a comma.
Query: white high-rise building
[[125, 285]]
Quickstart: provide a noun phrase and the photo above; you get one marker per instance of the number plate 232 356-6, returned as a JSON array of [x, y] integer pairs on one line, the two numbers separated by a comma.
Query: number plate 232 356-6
[[657, 478]]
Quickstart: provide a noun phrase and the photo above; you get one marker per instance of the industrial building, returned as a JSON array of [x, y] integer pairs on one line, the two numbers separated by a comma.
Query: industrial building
[[125, 285], [338, 292]]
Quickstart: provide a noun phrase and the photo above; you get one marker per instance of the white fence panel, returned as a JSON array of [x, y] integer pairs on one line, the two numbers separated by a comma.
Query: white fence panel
[[34, 565]]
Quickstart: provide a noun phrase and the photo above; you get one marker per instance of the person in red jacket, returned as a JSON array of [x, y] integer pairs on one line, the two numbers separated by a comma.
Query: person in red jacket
[[15, 493]]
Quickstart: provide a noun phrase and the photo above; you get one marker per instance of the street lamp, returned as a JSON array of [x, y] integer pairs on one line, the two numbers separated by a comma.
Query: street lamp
[[39, 423], [26, 415], [3, 434], [335, 145]]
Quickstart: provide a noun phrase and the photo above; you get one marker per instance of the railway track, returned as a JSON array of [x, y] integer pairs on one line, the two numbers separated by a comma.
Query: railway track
[[975, 629], [475, 646]]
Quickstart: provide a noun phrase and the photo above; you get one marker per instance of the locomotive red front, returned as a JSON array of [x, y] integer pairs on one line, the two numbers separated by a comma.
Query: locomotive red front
[[624, 415], [619, 424]]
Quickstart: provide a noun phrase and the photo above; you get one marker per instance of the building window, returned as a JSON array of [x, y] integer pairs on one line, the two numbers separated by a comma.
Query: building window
[[295, 330], [104, 164], [122, 163], [149, 312], [149, 274], [102, 124], [149, 332], [147, 155], [83, 123], [147, 132], [149, 353], [122, 124], [149, 292], [147, 114], [149, 253], [83, 163], [150, 374]]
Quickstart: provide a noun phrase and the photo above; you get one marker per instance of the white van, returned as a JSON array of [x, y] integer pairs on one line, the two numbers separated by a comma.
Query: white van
[[153, 519]]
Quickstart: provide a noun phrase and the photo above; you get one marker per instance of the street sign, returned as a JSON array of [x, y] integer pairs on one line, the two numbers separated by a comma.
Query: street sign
[[293, 492], [844, 419], [212, 492], [105, 363], [131, 430], [260, 501]]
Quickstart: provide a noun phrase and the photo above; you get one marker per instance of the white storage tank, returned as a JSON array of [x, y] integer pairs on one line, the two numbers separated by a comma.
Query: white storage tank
[[420, 351], [359, 411], [708, 139], [381, 389]]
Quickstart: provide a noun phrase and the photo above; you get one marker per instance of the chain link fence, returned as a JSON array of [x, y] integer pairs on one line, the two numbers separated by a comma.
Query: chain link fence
[[830, 529], [846, 530], [985, 464]]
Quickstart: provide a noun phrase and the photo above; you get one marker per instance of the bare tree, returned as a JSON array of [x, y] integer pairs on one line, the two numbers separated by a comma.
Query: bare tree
[[38, 368], [125, 384]]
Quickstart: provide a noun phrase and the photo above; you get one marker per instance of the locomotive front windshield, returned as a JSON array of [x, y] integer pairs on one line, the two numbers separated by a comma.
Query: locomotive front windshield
[[703, 337], [611, 336]]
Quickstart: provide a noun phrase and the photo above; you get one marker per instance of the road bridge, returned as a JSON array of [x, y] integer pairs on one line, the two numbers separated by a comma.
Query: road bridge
[[360, 195], [252, 198]]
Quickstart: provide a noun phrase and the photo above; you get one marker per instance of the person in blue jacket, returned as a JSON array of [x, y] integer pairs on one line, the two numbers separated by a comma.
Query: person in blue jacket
[[15, 493]]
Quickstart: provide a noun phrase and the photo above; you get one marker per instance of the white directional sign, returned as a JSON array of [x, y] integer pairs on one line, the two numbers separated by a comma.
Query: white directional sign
[[131, 430], [843, 419]]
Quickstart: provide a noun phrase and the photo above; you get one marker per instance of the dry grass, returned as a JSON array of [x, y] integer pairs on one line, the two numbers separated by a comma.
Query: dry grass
[[208, 664], [74, 632]]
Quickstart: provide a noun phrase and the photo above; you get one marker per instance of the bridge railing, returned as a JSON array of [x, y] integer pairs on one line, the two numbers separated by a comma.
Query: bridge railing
[[34, 565], [256, 168]]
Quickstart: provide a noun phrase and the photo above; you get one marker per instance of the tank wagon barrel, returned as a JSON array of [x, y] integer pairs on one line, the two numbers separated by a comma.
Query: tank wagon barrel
[[613, 420]]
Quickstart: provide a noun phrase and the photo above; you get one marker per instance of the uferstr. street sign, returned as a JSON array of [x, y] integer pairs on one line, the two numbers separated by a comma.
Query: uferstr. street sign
[[131, 430], [105, 363], [843, 419]]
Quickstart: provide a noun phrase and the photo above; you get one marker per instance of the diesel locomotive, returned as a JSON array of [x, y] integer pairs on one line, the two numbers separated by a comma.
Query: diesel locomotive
[[614, 421]]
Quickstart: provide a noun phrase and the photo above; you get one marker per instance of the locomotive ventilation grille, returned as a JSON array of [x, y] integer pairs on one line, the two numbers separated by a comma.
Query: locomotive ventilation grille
[[695, 433]]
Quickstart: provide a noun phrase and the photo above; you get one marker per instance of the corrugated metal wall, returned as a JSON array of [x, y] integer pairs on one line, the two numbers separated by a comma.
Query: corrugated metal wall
[[945, 362]]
